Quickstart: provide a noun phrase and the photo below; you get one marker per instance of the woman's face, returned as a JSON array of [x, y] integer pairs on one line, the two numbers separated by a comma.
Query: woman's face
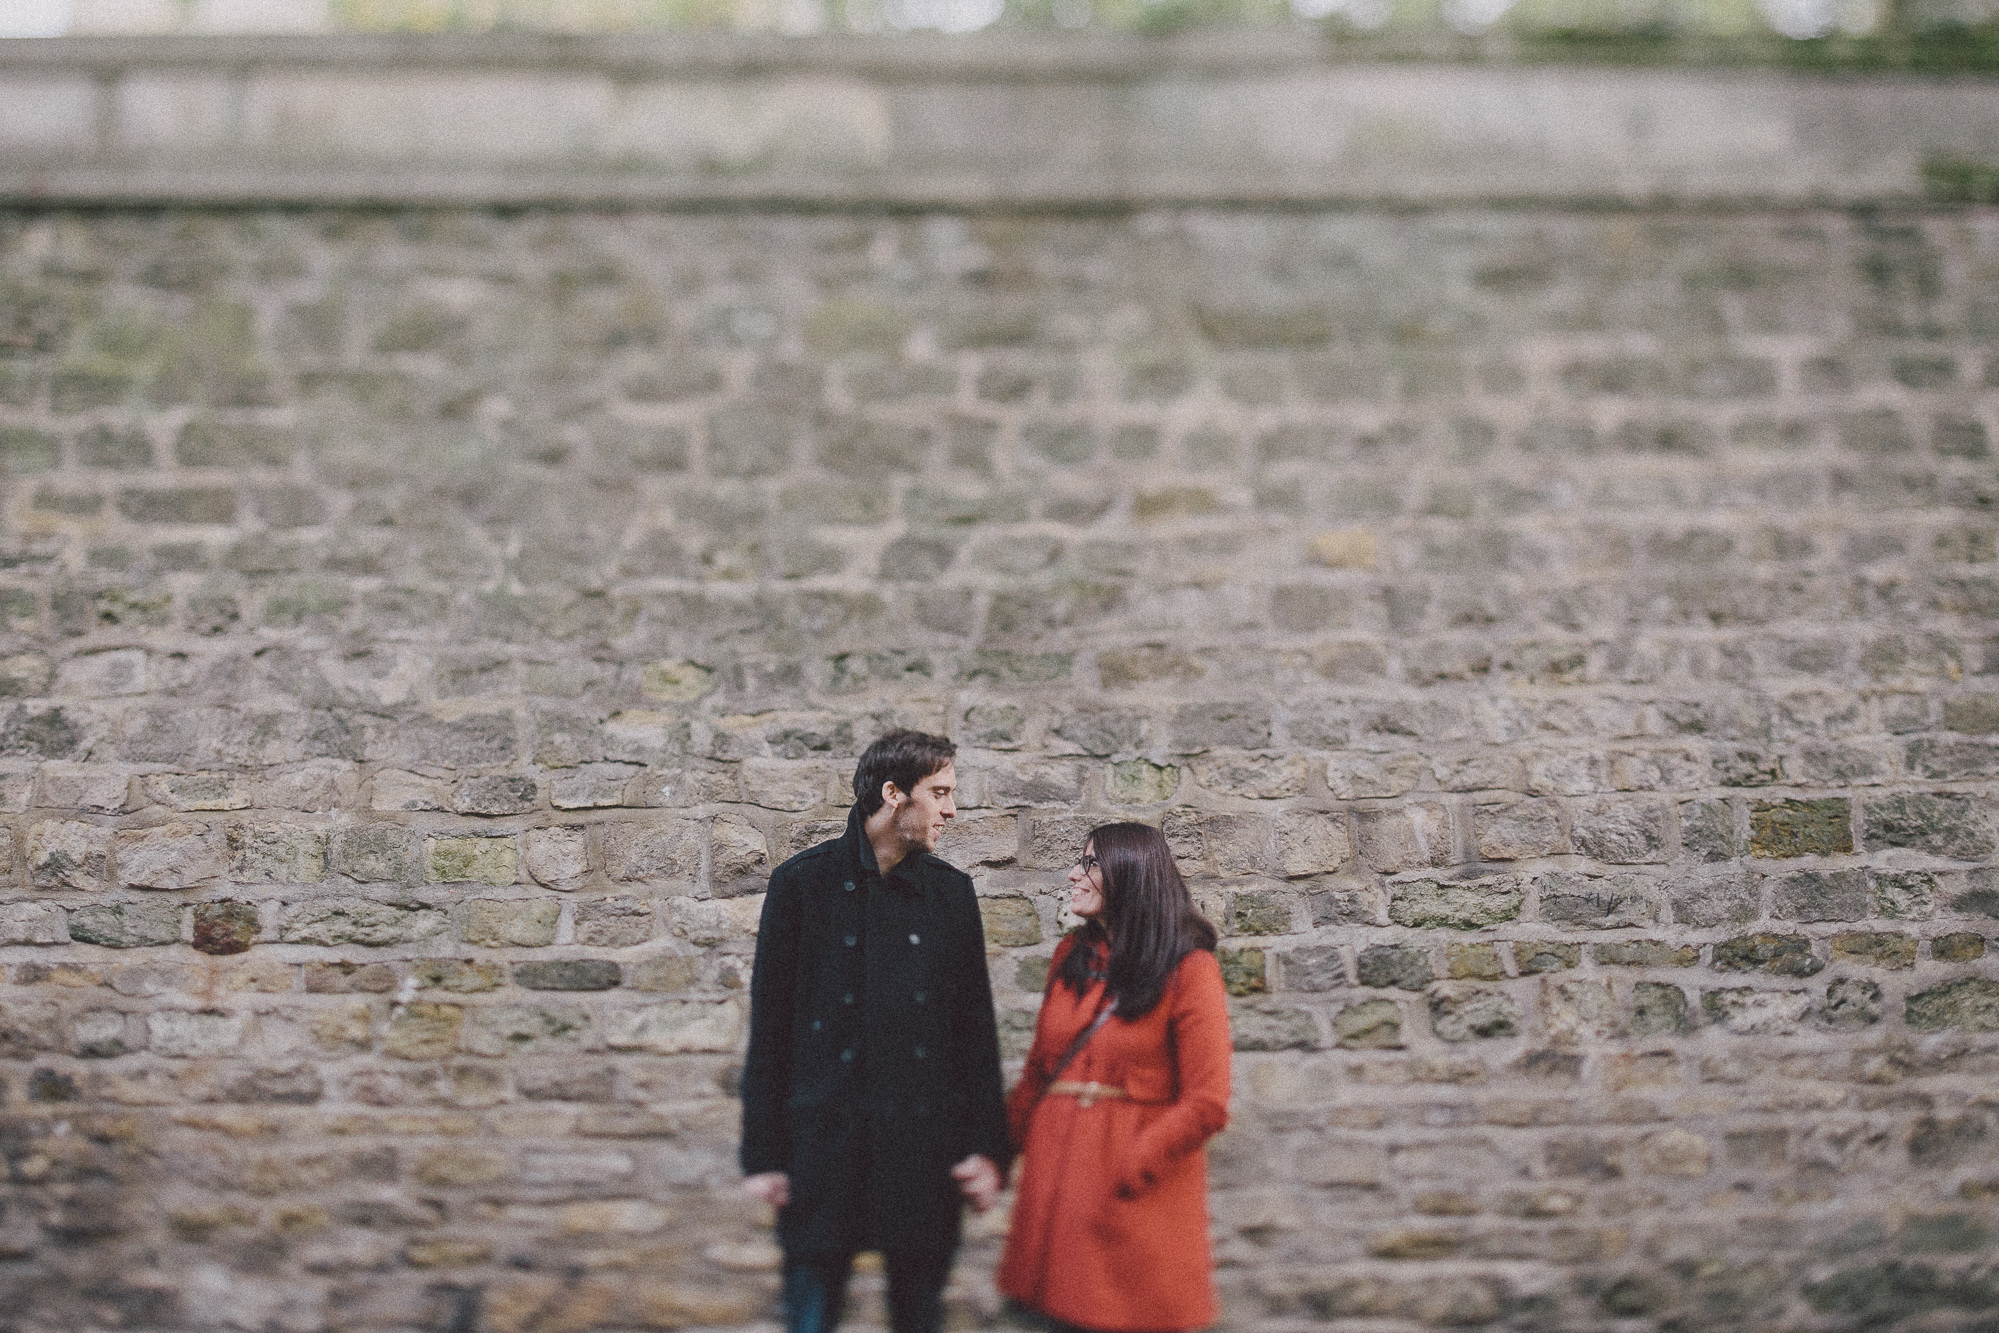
[[1086, 884]]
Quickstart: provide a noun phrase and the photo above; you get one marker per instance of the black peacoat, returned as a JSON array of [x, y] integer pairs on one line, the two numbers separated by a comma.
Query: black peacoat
[[873, 1065]]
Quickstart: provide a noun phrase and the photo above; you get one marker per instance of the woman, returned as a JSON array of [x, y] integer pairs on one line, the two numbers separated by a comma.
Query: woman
[[1110, 1223]]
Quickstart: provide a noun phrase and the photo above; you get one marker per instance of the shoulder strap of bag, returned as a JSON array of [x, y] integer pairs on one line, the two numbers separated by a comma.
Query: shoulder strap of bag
[[1075, 1049]]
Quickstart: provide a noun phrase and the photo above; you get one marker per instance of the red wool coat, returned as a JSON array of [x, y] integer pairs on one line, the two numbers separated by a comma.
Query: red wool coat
[[1110, 1220]]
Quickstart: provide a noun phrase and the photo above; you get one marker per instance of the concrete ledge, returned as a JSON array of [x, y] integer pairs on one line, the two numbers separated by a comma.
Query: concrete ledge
[[1019, 121]]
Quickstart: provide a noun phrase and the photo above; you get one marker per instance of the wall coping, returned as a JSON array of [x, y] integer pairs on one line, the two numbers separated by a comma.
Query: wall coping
[[1247, 118]]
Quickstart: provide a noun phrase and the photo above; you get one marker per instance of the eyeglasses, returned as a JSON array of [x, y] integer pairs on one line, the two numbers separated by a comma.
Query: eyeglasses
[[1088, 862]]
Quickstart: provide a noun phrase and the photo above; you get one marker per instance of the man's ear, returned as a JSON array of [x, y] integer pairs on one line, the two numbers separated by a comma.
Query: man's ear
[[891, 794]]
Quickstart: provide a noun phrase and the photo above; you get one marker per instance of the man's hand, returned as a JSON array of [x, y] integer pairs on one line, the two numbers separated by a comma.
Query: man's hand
[[978, 1180], [773, 1187]]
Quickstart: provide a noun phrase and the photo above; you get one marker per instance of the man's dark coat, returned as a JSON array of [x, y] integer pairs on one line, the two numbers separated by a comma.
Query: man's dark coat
[[874, 1063]]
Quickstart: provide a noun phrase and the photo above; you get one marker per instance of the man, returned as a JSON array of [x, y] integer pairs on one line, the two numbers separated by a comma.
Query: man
[[871, 1095]]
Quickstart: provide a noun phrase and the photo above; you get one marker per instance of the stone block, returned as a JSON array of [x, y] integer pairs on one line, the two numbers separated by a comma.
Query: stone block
[[424, 1031], [1580, 1010], [1820, 895], [1951, 825], [670, 973], [556, 858], [1414, 836], [657, 854], [1103, 731], [1252, 777], [982, 840], [674, 1026], [170, 856], [709, 922], [1517, 829], [194, 1034], [1905, 895], [126, 925], [1596, 902], [500, 794], [68, 854], [1657, 1008], [1317, 967], [225, 927], [33, 923], [1259, 912], [1646, 953], [1969, 1003], [80, 787], [1886, 949], [1779, 955], [1345, 548], [1266, 1027], [502, 923], [1474, 962], [1536, 956], [276, 854], [1851, 1003], [675, 681], [363, 921], [199, 791], [582, 974], [1821, 827], [613, 923], [374, 854], [524, 1029], [1244, 971], [1463, 1012], [463, 976], [1674, 1152], [344, 978], [1361, 776], [1618, 830], [1010, 923], [471, 861], [1241, 725], [1397, 965], [1747, 1012], [1311, 843], [1708, 898], [1454, 905], [1959, 947]]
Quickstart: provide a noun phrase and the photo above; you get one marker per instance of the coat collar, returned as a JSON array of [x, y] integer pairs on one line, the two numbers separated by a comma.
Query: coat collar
[[861, 854]]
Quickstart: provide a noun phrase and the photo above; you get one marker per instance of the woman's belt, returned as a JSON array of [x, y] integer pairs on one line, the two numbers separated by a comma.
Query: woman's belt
[[1086, 1092]]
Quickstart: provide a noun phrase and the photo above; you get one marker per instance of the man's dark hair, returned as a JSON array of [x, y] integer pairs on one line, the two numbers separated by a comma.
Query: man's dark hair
[[902, 757]]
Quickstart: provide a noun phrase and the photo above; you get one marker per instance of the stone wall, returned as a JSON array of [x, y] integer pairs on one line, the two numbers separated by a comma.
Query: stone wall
[[1558, 642]]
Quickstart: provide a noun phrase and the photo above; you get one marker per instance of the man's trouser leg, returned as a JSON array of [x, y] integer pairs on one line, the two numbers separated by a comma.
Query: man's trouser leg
[[916, 1291], [815, 1293]]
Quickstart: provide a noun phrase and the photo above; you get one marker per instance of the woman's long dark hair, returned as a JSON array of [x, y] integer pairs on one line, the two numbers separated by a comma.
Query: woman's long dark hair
[[1150, 917]]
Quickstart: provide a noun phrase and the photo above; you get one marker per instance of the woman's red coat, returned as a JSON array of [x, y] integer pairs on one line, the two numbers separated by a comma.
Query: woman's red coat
[[1110, 1220]]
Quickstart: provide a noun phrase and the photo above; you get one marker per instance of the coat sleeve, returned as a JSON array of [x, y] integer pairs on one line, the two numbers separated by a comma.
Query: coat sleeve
[[767, 1068], [1034, 1077], [977, 1039], [1199, 1023]]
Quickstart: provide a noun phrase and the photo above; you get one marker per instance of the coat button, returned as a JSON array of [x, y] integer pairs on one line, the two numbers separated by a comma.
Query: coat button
[[848, 998], [848, 886], [919, 997], [919, 1052], [847, 1057], [914, 940], [815, 1025], [850, 941]]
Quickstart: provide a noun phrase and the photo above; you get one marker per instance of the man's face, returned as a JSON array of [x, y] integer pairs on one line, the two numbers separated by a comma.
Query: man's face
[[919, 820]]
